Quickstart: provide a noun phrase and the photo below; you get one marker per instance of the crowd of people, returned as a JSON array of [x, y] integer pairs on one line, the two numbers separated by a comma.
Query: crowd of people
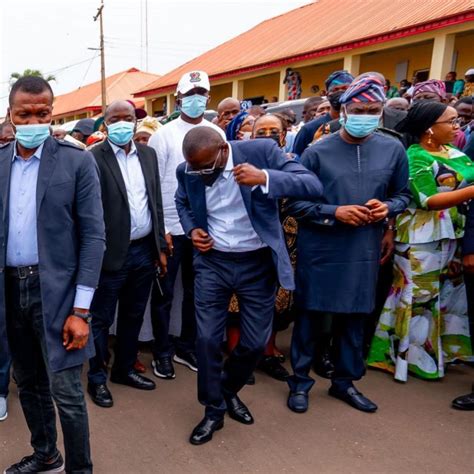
[[355, 225]]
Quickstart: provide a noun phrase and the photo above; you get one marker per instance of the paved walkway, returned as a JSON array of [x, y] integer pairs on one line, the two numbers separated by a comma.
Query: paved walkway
[[414, 431]]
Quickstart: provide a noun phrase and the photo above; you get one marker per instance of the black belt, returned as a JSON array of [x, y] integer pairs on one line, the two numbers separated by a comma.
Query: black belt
[[140, 241], [251, 254], [22, 272]]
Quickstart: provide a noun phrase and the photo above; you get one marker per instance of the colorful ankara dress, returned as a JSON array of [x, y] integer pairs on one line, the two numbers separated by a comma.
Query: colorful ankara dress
[[424, 322]]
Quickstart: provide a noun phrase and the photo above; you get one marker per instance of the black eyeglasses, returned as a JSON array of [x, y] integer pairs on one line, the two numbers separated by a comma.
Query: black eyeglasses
[[455, 122], [204, 171]]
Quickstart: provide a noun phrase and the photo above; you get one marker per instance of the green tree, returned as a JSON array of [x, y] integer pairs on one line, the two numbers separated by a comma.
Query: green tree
[[14, 76]]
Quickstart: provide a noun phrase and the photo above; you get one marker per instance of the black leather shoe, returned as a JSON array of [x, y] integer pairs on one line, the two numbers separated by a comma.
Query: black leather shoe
[[132, 379], [250, 380], [354, 398], [238, 411], [323, 366], [464, 402], [204, 430], [163, 368], [298, 402], [31, 464], [100, 395], [272, 367]]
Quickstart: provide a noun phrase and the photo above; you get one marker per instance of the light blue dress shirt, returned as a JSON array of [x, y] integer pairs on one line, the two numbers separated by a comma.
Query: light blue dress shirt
[[227, 218], [22, 243], [131, 169]]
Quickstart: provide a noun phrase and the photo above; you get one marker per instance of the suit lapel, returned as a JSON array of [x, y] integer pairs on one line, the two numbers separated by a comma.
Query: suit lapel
[[46, 168], [147, 171], [197, 193], [111, 161], [246, 191], [6, 156]]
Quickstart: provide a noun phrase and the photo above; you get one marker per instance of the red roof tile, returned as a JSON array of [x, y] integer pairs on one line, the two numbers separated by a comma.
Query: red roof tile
[[321, 25], [119, 86]]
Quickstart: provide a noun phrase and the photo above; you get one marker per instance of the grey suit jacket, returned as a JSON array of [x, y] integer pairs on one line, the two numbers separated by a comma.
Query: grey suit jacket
[[71, 238]]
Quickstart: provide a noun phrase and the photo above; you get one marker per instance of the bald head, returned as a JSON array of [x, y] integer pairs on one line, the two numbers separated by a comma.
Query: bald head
[[201, 146], [227, 109], [398, 103], [229, 103], [120, 108]]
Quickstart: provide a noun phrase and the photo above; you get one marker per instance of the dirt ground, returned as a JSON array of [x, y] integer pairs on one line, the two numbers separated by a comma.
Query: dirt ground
[[414, 430]]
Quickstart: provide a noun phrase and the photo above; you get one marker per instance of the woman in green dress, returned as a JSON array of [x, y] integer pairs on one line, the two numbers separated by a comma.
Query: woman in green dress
[[424, 323]]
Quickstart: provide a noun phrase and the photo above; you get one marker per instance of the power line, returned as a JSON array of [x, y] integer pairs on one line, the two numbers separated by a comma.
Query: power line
[[146, 35], [88, 68], [61, 69], [68, 67]]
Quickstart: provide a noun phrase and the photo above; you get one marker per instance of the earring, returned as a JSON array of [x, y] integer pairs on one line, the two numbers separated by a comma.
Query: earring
[[430, 135]]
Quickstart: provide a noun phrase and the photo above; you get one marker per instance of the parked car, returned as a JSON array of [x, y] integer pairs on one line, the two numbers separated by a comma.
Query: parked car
[[295, 105], [210, 115]]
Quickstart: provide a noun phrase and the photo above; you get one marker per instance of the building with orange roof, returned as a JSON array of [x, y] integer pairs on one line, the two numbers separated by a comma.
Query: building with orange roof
[[395, 37], [87, 101]]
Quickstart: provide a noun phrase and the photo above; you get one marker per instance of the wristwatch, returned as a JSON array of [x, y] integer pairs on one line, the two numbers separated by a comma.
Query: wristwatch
[[84, 316]]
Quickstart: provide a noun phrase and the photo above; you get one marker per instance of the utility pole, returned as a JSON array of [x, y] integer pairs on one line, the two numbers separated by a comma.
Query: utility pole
[[146, 35], [102, 55]]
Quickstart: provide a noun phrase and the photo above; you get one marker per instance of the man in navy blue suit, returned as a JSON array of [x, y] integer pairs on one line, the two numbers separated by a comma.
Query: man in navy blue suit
[[227, 201], [466, 402]]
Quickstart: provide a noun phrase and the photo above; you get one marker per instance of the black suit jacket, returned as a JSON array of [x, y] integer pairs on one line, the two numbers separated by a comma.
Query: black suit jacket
[[116, 207]]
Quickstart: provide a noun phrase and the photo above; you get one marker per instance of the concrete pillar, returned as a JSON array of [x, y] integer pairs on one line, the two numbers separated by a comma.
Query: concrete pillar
[[169, 104], [352, 64], [282, 89], [149, 106], [442, 56], [172, 103], [237, 89]]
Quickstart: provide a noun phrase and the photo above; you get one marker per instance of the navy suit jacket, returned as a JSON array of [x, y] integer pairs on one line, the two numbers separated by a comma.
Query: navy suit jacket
[[71, 238], [286, 179], [468, 240]]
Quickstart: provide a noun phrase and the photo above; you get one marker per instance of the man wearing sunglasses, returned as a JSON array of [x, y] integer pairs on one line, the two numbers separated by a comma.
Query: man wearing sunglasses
[[227, 201]]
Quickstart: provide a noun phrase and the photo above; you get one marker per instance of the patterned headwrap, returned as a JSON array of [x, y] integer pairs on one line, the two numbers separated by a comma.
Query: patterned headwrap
[[338, 78], [149, 125], [366, 88], [433, 85], [234, 125]]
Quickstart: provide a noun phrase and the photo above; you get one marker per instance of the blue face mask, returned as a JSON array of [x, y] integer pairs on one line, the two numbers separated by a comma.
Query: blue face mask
[[194, 106], [32, 136], [360, 126], [120, 133]]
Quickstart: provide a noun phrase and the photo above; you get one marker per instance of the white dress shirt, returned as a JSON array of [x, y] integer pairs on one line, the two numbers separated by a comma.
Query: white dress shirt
[[140, 215], [228, 222], [167, 141]]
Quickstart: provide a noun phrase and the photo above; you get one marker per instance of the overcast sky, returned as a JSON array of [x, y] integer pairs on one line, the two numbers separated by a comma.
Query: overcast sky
[[53, 35]]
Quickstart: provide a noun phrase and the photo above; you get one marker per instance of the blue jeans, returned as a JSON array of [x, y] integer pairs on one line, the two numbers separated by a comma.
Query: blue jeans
[[130, 287], [38, 386], [161, 305]]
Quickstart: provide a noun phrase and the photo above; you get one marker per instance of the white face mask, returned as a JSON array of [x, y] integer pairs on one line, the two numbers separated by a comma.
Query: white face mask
[[245, 135]]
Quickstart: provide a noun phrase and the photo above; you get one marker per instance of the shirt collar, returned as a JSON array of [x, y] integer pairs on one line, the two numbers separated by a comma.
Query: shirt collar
[[229, 165], [116, 149], [36, 154]]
